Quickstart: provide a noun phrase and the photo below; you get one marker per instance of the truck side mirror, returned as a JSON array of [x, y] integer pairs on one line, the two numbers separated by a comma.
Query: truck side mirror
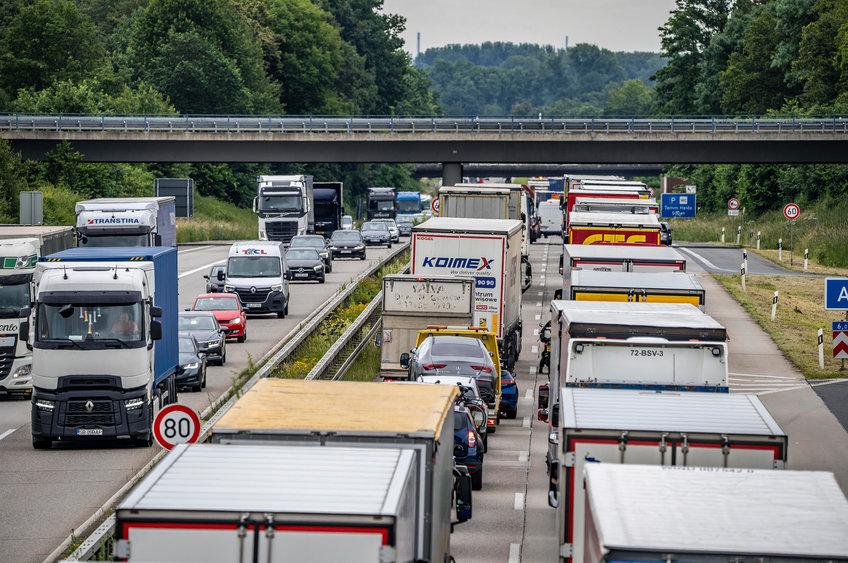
[[220, 275], [255, 204], [553, 485], [156, 330], [555, 415], [462, 489], [156, 311], [23, 330], [404, 360], [157, 240]]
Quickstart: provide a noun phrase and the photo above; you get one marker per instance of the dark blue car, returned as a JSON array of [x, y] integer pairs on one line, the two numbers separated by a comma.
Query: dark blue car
[[468, 445], [509, 396]]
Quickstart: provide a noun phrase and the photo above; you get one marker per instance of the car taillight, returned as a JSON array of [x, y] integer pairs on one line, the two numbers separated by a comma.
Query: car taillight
[[472, 439], [482, 368], [433, 366]]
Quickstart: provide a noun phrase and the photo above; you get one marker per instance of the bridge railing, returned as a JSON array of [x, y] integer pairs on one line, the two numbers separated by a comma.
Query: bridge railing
[[269, 124]]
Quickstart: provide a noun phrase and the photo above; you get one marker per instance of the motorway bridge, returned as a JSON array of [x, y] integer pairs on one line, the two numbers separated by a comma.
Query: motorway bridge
[[446, 140]]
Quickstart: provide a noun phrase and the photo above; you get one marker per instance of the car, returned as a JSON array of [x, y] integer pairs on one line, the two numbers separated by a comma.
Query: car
[[213, 284], [468, 445], [535, 228], [469, 396], [509, 395], [393, 228], [211, 337], [665, 233], [404, 225], [229, 311], [454, 355], [374, 232], [304, 264], [347, 223], [347, 244], [192, 370], [317, 242]]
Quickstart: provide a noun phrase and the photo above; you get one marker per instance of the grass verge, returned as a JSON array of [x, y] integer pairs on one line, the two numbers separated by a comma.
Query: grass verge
[[217, 220], [800, 313]]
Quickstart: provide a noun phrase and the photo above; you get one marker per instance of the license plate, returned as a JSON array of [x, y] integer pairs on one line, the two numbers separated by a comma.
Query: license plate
[[89, 432], [253, 305], [301, 275], [7, 341], [346, 251]]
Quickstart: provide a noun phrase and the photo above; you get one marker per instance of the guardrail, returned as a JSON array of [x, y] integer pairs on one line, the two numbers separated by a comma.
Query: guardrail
[[288, 346], [269, 124]]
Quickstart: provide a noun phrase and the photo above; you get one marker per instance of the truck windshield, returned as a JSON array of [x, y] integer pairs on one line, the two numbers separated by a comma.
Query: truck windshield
[[13, 298], [282, 203], [409, 206], [254, 267], [115, 240], [82, 324], [382, 205]]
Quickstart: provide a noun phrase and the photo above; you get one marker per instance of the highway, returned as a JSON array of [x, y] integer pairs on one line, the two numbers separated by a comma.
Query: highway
[[46, 494]]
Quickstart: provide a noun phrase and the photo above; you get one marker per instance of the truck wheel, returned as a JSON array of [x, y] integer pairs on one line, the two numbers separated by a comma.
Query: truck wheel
[[477, 480], [41, 444]]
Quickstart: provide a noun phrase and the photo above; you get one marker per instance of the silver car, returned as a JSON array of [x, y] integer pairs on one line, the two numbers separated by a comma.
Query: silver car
[[393, 228], [376, 233]]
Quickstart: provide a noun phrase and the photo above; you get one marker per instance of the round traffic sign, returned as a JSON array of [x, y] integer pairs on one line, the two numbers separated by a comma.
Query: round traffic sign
[[176, 424], [733, 203], [651, 190], [791, 211], [435, 205]]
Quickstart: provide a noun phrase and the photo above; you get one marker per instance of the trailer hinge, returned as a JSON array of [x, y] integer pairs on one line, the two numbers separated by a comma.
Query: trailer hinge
[[566, 550], [387, 554], [570, 459], [622, 444], [122, 549]]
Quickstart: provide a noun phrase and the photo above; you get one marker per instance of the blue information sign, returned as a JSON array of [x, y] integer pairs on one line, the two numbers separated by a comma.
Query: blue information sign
[[678, 205], [836, 294], [840, 326]]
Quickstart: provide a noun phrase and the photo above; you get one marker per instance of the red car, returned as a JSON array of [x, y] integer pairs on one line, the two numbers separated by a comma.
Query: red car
[[227, 309]]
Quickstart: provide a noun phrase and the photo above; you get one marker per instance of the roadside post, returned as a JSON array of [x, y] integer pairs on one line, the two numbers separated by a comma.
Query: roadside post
[[791, 212], [780, 249], [738, 234], [774, 305], [806, 256], [836, 299], [743, 278], [722, 235], [745, 259], [821, 349], [758, 240], [752, 238]]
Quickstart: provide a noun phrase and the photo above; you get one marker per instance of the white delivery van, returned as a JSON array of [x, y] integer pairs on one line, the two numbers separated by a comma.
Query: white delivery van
[[256, 272]]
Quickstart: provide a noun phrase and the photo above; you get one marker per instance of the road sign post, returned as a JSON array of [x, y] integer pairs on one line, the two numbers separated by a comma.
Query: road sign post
[[791, 212], [176, 424]]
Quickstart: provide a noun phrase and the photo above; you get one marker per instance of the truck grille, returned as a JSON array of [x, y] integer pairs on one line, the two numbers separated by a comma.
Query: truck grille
[[281, 230], [246, 296], [101, 413], [98, 407], [84, 419], [7, 354]]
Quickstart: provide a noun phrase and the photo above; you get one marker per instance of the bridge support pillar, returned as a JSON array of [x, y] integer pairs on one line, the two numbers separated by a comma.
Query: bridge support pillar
[[451, 173]]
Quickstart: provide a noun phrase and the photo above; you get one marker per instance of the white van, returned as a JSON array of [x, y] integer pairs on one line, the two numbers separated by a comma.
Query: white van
[[256, 272], [550, 216]]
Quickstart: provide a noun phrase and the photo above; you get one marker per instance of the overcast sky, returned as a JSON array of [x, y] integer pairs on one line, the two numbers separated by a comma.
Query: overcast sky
[[618, 25]]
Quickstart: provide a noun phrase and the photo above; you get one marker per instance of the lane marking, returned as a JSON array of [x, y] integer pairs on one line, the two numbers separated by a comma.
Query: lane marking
[[194, 249], [523, 456], [541, 293], [528, 394], [758, 375], [533, 371], [519, 504], [200, 269], [538, 317], [6, 433], [704, 260], [535, 332], [514, 553], [526, 422], [535, 349], [538, 303]]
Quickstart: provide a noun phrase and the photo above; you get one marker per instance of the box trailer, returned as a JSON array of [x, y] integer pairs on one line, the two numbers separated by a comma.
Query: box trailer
[[606, 193], [127, 221], [631, 287], [470, 201], [490, 251], [713, 515], [618, 258], [328, 198], [613, 426], [417, 418], [207, 502], [411, 303], [613, 228], [615, 205]]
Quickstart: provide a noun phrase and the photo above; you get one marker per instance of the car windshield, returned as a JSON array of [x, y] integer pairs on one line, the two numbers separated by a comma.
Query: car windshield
[[197, 323], [404, 220], [315, 242], [254, 267], [345, 235], [302, 254], [216, 304], [456, 348], [375, 227], [89, 323], [186, 345]]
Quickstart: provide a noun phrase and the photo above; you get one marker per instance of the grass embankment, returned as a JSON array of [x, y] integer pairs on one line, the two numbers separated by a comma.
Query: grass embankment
[[216, 220], [313, 348]]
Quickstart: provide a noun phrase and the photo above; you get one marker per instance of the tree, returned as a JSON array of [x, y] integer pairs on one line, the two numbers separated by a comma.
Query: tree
[[816, 65], [631, 98], [13, 180]]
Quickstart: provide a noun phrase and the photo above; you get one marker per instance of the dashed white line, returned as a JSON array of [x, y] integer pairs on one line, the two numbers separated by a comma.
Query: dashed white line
[[704, 260], [541, 293], [519, 504], [535, 332], [200, 269], [514, 552], [532, 371], [6, 433], [526, 422], [535, 349], [538, 317], [523, 456], [529, 394], [538, 303]]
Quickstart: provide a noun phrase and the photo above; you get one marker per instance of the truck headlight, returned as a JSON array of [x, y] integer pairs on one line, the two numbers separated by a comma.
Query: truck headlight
[[23, 371], [230, 288], [278, 288], [44, 405], [131, 404]]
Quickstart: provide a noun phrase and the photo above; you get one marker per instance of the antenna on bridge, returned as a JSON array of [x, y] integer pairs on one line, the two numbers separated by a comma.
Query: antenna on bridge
[[418, 47]]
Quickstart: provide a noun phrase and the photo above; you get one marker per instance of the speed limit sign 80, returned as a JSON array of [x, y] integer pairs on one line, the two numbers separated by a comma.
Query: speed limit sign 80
[[176, 424], [791, 211]]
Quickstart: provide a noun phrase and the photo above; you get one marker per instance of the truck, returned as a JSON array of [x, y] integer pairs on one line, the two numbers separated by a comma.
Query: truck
[[410, 303], [618, 258], [273, 503], [329, 207], [611, 426], [341, 414], [613, 228], [382, 203], [490, 251], [654, 287], [470, 201], [105, 350], [20, 248], [719, 515], [615, 205], [605, 193], [127, 221], [410, 204], [285, 206], [521, 206]]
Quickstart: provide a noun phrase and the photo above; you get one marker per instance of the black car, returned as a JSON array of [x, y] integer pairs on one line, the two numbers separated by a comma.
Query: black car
[[347, 244], [317, 242], [213, 285], [211, 337], [468, 445], [192, 372], [304, 264], [665, 233]]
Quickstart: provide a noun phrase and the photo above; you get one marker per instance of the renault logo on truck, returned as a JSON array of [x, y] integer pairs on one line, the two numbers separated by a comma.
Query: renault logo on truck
[[469, 263]]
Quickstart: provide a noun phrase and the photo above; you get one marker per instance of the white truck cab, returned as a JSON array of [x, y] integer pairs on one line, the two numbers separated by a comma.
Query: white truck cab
[[256, 272]]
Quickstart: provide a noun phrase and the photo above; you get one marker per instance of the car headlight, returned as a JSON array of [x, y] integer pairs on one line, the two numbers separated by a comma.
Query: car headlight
[[23, 371], [278, 287], [333, 247], [44, 405], [324, 254], [192, 365], [359, 247], [230, 288], [211, 342], [318, 268], [235, 321], [131, 404]]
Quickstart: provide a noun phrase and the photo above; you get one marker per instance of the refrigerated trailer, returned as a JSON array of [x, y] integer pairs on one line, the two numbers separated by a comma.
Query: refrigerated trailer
[[275, 504], [631, 287], [617, 258], [613, 426], [472, 202], [713, 515], [613, 228]]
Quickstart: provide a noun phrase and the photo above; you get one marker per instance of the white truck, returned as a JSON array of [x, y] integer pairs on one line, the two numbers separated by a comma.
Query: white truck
[[341, 414], [275, 504], [614, 426], [490, 251], [713, 515], [285, 207], [127, 221], [20, 248], [518, 206], [618, 258], [411, 303], [470, 201], [615, 205], [635, 287]]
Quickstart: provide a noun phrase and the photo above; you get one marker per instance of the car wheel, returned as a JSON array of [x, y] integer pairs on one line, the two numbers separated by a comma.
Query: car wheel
[[321, 279], [477, 480], [243, 337], [203, 381], [40, 444], [223, 353], [362, 257], [330, 267]]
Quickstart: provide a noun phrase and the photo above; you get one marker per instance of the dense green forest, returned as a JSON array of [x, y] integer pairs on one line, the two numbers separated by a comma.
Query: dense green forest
[[508, 79]]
